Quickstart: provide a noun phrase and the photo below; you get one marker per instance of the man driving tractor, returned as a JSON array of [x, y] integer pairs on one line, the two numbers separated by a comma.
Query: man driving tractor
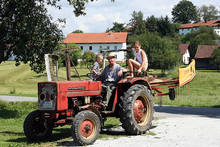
[[111, 75]]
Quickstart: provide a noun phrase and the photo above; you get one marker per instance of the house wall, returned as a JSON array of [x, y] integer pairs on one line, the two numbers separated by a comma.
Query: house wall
[[96, 48], [186, 57], [188, 30], [217, 31], [203, 63]]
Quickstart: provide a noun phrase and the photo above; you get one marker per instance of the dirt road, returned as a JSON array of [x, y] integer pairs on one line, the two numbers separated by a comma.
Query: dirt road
[[17, 98], [175, 127]]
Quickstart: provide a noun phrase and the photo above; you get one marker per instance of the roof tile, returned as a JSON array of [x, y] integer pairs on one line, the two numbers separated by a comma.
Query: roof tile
[[183, 48], [201, 23], [110, 37], [205, 51]]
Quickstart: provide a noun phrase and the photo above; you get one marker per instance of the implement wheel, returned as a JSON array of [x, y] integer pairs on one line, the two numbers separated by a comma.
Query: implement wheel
[[36, 127], [86, 127], [137, 110]]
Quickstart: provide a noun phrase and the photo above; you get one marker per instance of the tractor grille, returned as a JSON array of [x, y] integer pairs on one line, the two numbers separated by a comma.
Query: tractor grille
[[47, 96]]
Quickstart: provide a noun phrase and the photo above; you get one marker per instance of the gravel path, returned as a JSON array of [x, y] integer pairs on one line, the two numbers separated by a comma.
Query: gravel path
[[176, 127], [18, 98]]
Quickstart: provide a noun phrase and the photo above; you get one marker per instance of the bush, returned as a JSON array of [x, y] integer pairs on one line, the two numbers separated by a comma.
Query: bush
[[88, 58], [74, 55]]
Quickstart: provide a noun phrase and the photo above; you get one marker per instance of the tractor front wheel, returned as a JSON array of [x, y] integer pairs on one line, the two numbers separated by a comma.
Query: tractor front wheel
[[36, 127], [86, 127], [137, 110]]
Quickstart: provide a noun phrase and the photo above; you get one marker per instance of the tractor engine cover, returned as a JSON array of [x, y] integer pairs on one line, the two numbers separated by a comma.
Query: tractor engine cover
[[54, 95]]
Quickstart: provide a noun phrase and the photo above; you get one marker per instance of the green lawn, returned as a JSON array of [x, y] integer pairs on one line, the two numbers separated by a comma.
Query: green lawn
[[203, 91], [20, 80]]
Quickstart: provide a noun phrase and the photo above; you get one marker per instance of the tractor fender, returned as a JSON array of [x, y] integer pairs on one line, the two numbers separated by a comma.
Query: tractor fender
[[93, 109], [136, 80]]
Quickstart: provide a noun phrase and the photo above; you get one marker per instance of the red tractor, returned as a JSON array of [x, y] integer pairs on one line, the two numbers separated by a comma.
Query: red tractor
[[84, 104]]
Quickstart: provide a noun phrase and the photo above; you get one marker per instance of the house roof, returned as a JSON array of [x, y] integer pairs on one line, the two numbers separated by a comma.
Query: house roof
[[210, 23], [183, 48], [205, 51], [110, 37]]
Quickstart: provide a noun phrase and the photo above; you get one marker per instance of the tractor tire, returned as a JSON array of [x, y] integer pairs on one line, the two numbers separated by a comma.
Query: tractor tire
[[36, 128], [86, 127], [136, 110]]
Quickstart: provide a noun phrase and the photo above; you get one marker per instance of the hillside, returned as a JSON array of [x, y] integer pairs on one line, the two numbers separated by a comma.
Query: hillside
[[204, 90]]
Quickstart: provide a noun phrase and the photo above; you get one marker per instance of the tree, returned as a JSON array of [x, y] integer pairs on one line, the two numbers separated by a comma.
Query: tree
[[161, 25], [184, 12], [88, 58], [215, 59], [137, 23], [79, 6], [152, 24], [74, 55], [28, 32], [77, 31], [208, 12], [117, 27], [165, 27], [203, 36]]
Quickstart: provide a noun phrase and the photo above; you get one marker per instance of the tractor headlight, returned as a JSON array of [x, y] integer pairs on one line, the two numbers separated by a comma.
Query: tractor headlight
[[42, 96]]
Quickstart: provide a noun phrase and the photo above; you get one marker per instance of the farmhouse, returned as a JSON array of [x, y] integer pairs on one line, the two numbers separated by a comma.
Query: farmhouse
[[203, 54], [187, 28], [96, 42], [184, 51]]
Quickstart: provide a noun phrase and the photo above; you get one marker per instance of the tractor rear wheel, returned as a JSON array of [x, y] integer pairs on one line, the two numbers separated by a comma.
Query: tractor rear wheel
[[86, 127], [137, 110], [36, 127]]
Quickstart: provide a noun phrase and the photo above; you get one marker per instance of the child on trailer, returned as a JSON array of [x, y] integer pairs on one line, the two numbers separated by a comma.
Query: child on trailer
[[140, 62]]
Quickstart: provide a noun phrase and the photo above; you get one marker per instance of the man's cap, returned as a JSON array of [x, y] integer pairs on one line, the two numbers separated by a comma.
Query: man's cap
[[111, 55]]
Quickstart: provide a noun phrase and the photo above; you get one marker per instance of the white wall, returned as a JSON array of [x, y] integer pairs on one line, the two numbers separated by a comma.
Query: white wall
[[96, 48], [217, 31], [186, 57]]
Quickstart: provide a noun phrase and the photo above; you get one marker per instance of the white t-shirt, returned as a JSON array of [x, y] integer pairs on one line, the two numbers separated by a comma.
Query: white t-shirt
[[139, 57]]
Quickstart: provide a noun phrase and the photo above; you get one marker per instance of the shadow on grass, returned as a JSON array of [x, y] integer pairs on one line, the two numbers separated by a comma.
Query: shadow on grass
[[12, 133], [5, 114], [76, 76], [40, 75]]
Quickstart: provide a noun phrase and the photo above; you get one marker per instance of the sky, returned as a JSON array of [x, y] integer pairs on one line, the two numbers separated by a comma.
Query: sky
[[102, 13]]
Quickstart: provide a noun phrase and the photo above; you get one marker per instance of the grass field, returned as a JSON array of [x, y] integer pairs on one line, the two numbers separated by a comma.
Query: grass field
[[203, 91], [20, 80]]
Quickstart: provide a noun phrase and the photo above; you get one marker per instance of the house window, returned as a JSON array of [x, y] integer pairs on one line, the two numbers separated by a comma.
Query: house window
[[115, 47], [108, 47], [81, 47], [90, 48]]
